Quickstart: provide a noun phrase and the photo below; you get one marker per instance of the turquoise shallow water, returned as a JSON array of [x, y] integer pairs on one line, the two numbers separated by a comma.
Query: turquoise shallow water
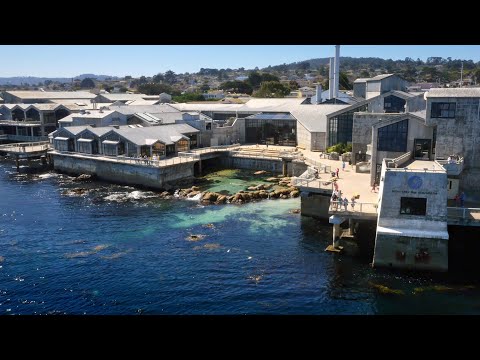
[[119, 250]]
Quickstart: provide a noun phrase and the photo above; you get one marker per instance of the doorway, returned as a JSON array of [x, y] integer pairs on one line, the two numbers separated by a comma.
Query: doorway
[[423, 149]]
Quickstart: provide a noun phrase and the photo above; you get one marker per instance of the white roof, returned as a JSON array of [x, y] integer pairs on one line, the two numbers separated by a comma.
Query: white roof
[[312, 117], [52, 94], [455, 92]]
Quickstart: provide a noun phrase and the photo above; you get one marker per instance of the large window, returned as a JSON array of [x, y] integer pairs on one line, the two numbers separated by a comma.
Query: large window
[[182, 145], [393, 137], [340, 127], [271, 131], [413, 206], [393, 104], [443, 110]]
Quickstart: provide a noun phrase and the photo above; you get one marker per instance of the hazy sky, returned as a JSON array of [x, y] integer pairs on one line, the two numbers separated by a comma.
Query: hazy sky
[[148, 60]]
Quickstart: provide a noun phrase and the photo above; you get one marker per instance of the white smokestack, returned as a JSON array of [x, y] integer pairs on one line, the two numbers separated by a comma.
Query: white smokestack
[[318, 95], [336, 75], [330, 79]]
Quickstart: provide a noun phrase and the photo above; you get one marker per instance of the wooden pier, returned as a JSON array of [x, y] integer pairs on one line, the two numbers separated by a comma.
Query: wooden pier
[[25, 151]]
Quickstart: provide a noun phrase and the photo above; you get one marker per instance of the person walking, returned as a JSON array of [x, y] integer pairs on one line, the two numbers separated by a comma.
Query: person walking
[[462, 199], [353, 203], [343, 165], [345, 203], [337, 171]]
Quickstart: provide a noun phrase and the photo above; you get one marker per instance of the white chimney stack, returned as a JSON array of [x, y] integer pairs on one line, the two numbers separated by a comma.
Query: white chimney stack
[[318, 95], [330, 79], [336, 75]]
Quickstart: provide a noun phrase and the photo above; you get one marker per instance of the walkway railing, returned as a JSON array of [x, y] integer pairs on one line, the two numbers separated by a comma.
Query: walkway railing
[[26, 147], [321, 167], [359, 207], [129, 160], [463, 213]]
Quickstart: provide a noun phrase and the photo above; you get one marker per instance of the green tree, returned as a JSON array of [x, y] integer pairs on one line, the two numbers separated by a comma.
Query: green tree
[[87, 83], [170, 77], [236, 86], [154, 89], [254, 79], [188, 97], [344, 82], [271, 89], [158, 78]]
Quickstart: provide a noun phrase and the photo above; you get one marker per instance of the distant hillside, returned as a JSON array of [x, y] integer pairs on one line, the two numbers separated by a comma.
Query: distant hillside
[[434, 69], [33, 80]]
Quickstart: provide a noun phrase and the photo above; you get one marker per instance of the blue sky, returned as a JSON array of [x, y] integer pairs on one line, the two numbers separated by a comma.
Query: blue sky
[[136, 60]]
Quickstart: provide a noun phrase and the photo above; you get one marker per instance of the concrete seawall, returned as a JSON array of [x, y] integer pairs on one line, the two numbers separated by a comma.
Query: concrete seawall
[[157, 177], [273, 165], [132, 174]]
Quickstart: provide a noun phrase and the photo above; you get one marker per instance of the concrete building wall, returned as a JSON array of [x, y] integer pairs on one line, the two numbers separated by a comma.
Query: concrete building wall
[[416, 103], [273, 165], [228, 134], [374, 86], [396, 184], [360, 89], [460, 135], [412, 241], [315, 205], [318, 141], [304, 137], [376, 105], [131, 174]]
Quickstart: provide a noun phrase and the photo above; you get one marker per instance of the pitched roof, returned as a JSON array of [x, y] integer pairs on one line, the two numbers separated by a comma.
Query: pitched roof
[[380, 77], [51, 94], [455, 92]]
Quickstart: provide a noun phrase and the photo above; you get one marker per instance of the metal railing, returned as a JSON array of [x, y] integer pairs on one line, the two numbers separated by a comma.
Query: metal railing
[[463, 213], [321, 167], [26, 138], [452, 167], [26, 147], [130, 160], [359, 207]]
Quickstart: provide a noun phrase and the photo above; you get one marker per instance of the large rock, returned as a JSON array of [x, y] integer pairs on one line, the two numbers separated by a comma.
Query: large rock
[[83, 177], [195, 188], [272, 179], [221, 199], [260, 172], [193, 193], [295, 193]]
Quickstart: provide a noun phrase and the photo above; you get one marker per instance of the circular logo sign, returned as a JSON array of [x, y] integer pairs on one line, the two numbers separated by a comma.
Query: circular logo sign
[[415, 182]]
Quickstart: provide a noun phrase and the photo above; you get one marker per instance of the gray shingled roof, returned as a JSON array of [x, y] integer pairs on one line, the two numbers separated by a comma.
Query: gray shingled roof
[[455, 92], [167, 134], [421, 114], [152, 109], [380, 77], [361, 80], [52, 94]]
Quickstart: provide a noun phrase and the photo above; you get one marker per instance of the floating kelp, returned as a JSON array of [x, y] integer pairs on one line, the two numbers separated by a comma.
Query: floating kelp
[[195, 237], [382, 289]]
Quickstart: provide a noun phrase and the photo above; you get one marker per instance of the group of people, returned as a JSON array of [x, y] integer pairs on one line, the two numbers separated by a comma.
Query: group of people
[[452, 159], [337, 201]]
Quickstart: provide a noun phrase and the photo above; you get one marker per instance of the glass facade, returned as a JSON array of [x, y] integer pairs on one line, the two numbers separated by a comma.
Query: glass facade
[[271, 131], [340, 127], [393, 104], [393, 137]]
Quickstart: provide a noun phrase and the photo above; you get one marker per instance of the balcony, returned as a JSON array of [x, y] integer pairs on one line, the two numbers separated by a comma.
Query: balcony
[[453, 167]]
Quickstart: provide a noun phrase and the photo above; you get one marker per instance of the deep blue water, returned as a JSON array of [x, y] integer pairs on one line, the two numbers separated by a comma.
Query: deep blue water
[[121, 250]]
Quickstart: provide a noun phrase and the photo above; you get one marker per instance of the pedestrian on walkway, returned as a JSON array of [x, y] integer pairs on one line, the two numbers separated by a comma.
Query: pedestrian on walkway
[[345, 203], [353, 203], [337, 171], [343, 165]]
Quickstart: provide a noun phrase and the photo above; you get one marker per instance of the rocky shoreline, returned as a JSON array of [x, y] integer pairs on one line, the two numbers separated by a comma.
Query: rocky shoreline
[[284, 190]]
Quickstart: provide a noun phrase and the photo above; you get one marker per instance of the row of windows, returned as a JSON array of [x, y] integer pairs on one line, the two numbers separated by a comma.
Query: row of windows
[[443, 110], [393, 137]]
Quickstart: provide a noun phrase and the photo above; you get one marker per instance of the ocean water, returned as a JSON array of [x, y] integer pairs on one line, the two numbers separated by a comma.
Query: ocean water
[[90, 248]]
